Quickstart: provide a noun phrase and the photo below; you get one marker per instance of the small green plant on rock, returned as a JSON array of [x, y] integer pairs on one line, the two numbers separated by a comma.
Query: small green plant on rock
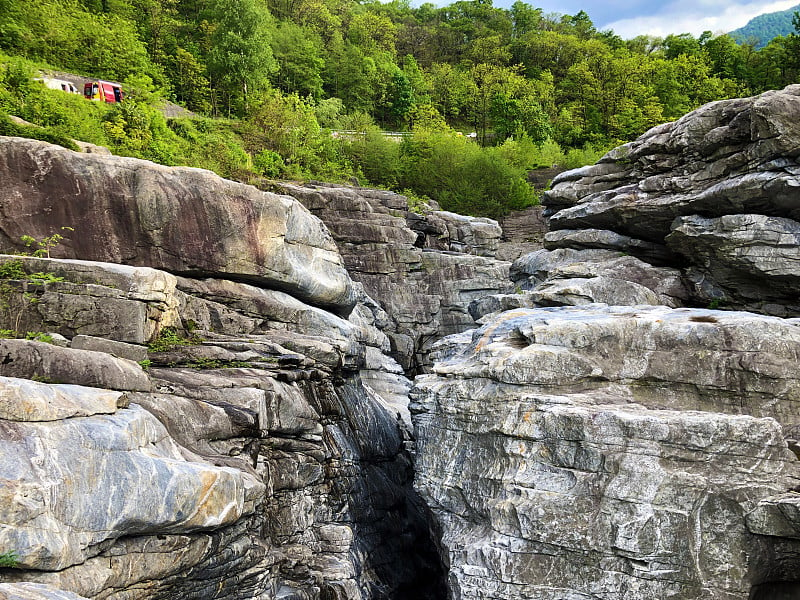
[[169, 339], [44, 245], [38, 336], [8, 559], [13, 269], [39, 278]]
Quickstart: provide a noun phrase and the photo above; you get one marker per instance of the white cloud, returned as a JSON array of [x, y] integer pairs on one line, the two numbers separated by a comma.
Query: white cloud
[[696, 17]]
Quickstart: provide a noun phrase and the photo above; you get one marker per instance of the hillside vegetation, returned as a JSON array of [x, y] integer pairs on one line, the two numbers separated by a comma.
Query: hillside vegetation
[[272, 78], [763, 28]]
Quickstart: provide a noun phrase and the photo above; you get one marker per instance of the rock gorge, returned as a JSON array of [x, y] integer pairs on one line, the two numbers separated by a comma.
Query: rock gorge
[[224, 407]]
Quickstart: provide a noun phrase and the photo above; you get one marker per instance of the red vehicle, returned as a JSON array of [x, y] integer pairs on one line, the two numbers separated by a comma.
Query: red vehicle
[[102, 90]]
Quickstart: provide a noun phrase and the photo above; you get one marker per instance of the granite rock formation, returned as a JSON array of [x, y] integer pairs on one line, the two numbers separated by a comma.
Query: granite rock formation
[[183, 220], [424, 268], [523, 232], [217, 417], [594, 440], [712, 195], [614, 452]]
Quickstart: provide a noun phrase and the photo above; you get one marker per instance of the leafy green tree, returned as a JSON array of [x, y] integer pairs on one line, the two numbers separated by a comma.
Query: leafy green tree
[[581, 25], [240, 60], [725, 57], [376, 157], [189, 81], [462, 176], [450, 90], [684, 43], [287, 125], [519, 117], [683, 84], [525, 19], [371, 31], [401, 97], [298, 51]]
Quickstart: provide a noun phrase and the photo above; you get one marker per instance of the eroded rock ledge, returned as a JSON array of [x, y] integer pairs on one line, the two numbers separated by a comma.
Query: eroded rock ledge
[[706, 204], [424, 268], [593, 440]]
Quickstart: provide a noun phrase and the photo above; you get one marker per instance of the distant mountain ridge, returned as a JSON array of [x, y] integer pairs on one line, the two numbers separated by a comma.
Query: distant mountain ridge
[[765, 27]]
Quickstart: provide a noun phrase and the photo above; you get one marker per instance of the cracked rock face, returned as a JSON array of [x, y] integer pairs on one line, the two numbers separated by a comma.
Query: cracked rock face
[[194, 436], [423, 269], [712, 196], [611, 452], [263, 454]]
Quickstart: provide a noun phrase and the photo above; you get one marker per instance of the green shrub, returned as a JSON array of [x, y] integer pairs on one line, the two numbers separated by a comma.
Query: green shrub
[[11, 129], [8, 559], [580, 157], [269, 164], [39, 336], [13, 269], [377, 157], [463, 177], [169, 339]]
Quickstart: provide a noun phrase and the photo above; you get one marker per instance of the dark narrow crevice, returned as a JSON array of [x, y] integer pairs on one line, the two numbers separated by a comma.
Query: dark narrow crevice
[[776, 590]]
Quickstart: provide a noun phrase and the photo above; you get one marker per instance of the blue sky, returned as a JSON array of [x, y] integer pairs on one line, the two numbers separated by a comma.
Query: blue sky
[[629, 18]]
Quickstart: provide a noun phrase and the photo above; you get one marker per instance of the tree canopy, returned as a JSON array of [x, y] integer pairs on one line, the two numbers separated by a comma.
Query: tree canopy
[[508, 75]]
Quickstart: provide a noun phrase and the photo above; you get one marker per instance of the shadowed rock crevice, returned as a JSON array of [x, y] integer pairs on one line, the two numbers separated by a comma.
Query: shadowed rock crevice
[[423, 268]]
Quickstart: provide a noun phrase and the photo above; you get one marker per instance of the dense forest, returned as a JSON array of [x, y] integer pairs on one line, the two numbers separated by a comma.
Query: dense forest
[[485, 93], [760, 30]]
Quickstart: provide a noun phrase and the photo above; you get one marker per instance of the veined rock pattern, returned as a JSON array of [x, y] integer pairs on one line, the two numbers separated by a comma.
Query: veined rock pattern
[[596, 439], [212, 400], [423, 268], [258, 448]]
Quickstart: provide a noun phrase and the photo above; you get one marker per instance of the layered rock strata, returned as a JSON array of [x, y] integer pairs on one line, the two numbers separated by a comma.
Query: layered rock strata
[[180, 219], [614, 452], [423, 268], [712, 195], [223, 422], [264, 452]]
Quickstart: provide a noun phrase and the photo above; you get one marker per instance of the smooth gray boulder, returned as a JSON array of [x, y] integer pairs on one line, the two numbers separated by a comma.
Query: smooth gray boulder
[[86, 459], [76, 297], [777, 516], [597, 275], [470, 235], [53, 364], [582, 239], [34, 591], [176, 219], [25, 400], [753, 260]]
